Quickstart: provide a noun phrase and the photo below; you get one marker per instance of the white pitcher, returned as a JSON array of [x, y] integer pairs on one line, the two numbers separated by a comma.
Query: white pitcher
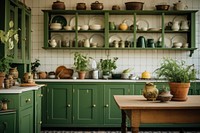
[[53, 43], [86, 43], [185, 25], [180, 6], [176, 26]]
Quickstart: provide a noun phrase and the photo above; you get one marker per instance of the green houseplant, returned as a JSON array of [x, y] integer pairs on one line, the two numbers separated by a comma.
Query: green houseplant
[[81, 63], [107, 65], [179, 76], [34, 67], [8, 38]]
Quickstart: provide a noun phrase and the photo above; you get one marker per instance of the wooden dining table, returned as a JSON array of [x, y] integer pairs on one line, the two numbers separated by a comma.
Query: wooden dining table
[[141, 111]]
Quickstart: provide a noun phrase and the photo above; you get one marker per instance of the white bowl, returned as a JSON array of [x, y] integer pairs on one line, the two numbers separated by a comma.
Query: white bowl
[[84, 27], [95, 27], [68, 27], [78, 28], [55, 26], [177, 44]]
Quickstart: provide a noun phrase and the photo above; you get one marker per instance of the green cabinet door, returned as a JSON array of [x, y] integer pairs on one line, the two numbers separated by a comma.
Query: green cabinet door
[[59, 101], [7, 122], [37, 111], [112, 113], [85, 104], [138, 88], [197, 89], [26, 121]]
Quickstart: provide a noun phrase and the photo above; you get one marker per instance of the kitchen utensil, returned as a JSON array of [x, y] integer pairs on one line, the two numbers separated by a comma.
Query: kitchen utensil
[[162, 7], [180, 6], [97, 6], [59, 19], [134, 5], [80, 6], [141, 42], [150, 92], [115, 7], [58, 5], [146, 75]]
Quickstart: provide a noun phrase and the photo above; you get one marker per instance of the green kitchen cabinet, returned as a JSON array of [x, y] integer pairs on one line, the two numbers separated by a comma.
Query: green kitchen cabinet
[[112, 115], [20, 14], [7, 121], [26, 121], [59, 104], [87, 104], [38, 110], [197, 88]]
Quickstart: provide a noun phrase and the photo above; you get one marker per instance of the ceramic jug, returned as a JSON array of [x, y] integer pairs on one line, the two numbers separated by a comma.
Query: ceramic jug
[[112, 26], [141, 42], [53, 43], [180, 6], [150, 92], [175, 25], [86, 43], [185, 25]]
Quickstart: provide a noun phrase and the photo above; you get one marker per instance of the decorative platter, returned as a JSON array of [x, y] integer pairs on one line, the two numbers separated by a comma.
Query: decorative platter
[[59, 19]]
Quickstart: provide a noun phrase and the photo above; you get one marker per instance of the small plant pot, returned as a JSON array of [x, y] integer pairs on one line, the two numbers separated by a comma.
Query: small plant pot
[[4, 106], [81, 74]]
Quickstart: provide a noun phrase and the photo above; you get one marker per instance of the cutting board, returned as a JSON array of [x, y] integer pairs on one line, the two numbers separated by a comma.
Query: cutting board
[[28, 84]]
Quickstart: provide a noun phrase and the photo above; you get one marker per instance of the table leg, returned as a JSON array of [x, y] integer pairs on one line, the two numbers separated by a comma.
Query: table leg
[[135, 129], [123, 124], [135, 121]]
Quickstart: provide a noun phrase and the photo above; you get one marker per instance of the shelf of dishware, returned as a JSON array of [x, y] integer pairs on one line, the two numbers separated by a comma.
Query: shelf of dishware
[[105, 29]]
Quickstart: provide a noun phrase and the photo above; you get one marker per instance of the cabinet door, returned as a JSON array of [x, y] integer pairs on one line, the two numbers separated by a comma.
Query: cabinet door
[[26, 120], [59, 101], [138, 87], [85, 104], [112, 113], [37, 111], [197, 90], [7, 122]]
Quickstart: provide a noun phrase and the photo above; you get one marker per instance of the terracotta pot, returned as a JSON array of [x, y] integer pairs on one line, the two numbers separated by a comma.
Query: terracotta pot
[[134, 5], [179, 91], [97, 6], [2, 77], [81, 74], [58, 5], [42, 75], [14, 72]]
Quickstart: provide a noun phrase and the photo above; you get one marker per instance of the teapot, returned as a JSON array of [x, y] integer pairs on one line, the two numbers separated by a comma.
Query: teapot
[[52, 43], [185, 25], [180, 6]]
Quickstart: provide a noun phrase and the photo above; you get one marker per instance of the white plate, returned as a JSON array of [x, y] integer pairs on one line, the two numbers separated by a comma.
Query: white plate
[[179, 38], [113, 38], [167, 43], [142, 24], [97, 38], [130, 38], [97, 20], [57, 37], [129, 22]]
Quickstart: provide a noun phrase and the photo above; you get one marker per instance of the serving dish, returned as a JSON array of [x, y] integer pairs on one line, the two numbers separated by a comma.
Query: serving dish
[[59, 19], [97, 21], [142, 24], [134, 5], [113, 38], [162, 7], [97, 38], [167, 42]]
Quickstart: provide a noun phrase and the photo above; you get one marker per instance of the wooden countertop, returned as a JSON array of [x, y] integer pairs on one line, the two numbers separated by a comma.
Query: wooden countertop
[[139, 102]]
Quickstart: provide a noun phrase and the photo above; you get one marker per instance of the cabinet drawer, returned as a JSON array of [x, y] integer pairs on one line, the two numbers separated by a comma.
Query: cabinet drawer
[[26, 99]]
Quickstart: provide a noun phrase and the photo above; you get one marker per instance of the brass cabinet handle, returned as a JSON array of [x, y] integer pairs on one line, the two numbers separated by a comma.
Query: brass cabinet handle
[[28, 100], [93, 105], [68, 105], [106, 105], [40, 122], [40, 95]]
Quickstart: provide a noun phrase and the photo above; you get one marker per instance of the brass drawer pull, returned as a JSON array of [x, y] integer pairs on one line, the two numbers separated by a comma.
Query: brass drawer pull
[[28, 100]]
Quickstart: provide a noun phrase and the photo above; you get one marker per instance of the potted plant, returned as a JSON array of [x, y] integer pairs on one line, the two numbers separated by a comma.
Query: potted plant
[[34, 67], [8, 38], [107, 66], [81, 63], [179, 76], [4, 68], [4, 103]]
